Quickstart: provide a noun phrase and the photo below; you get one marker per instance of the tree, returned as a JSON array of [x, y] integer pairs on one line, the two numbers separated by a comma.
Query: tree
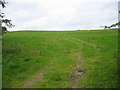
[[7, 22], [107, 27], [3, 3], [113, 25], [116, 24]]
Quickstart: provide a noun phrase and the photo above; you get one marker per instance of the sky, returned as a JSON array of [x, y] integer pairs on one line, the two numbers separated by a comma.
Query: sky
[[61, 14]]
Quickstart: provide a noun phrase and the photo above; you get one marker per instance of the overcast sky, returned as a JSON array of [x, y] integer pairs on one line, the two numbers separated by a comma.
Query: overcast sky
[[61, 14]]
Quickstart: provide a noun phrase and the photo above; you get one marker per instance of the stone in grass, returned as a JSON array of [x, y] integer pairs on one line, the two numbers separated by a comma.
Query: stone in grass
[[79, 72]]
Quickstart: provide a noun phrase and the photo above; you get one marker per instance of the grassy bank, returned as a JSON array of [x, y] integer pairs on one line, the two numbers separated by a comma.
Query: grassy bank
[[44, 59]]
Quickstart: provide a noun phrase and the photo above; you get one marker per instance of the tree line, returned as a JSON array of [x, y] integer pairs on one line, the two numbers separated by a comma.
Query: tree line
[[111, 26]]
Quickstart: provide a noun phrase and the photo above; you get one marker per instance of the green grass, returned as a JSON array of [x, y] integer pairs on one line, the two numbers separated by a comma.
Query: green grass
[[56, 55]]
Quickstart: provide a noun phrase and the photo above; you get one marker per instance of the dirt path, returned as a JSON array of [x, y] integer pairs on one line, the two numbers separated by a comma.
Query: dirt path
[[29, 83], [34, 80], [74, 77], [77, 73], [78, 41], [85, 42]]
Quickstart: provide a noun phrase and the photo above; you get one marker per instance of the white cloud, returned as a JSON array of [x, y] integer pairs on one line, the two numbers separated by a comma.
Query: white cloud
[[61, 14], [36, 22]]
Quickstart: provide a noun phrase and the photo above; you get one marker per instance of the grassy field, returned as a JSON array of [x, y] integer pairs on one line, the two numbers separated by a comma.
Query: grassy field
[[60, 59]]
